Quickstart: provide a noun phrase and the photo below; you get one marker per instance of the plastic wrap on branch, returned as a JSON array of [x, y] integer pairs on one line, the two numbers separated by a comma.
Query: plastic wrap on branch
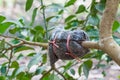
[[66, 45]]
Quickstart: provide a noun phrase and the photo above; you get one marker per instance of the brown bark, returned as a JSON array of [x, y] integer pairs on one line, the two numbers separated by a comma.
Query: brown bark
[[106, 42]]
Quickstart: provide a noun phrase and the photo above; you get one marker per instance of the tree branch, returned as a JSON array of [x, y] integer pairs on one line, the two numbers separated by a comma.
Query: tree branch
[[90, 44], [106, 42]]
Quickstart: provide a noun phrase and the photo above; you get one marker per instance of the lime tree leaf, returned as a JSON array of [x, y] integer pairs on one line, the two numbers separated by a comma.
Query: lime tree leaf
[[54, 77], [35, 60], [81, 9], [87, 65], [19, 70], [2, 18], [2, 78], [39, 29], [72, 71], [116, 25], [39, 70], [44, 58], [49, 18], [70, 2], [69, 18], [33, 16], [68, 65], [100, 7], [93, 20], [3, 70], [2, 45], [4, 26], [22, 48], [80, 69], [14, 30], [14, 64], [28, 4], [68, 77]]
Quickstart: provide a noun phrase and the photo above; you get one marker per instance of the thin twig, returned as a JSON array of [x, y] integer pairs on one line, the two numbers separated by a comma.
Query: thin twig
[[45, 45], [9, 62], [44, 18], [54, 68], [46, 73]]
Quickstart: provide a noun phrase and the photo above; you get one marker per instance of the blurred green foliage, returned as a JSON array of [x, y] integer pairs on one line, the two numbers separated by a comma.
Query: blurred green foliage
[[37, 33]]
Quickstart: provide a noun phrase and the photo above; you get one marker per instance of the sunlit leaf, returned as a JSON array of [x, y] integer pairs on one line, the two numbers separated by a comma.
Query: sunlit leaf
[[2, 18], [80, 9], [2, 78], [69, 18], [116, 25], [14, 30], [70, 2], [68, 77], [68, 65], [28, 4], [14, 64], [4, 26]]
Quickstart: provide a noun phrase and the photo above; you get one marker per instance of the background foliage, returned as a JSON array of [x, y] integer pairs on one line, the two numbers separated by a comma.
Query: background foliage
[[18, 39]]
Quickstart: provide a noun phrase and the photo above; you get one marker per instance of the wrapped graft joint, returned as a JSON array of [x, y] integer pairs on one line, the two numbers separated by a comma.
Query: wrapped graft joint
[[66, 45]]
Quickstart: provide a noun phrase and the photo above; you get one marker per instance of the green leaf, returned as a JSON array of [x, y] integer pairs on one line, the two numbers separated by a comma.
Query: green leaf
[[39, 29], [39, 70], [61, 11], [70, 2], [2, 18], [116, 25], [49, 18], [21, 22], [22, 48], [68, 65], [46, 77], [14, 30], [87, 65], [72, 71], [80, 69], [69, 18], [44, 58], [34, 16], [68, 77], [3, 70], [93, 20], [100, 7], [81, 9], [20, 75], [54, 77], [2, 78], [14, 64], [28, 4], [19, 70], [35, 60], [2, 45], [4, 26]]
